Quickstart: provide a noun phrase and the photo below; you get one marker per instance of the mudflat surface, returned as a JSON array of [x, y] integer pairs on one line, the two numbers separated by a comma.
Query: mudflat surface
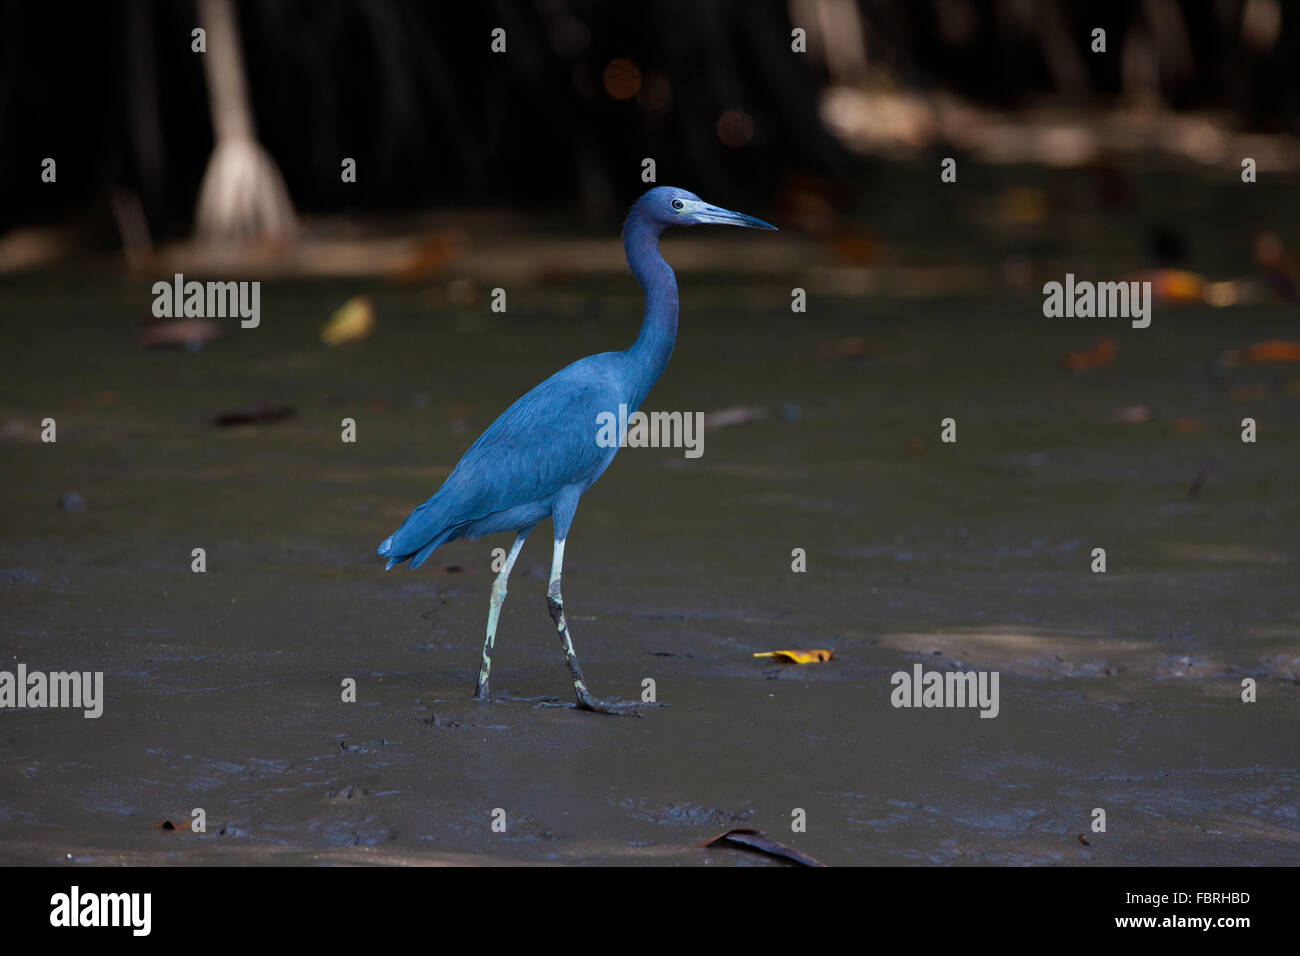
[[1118, 690]]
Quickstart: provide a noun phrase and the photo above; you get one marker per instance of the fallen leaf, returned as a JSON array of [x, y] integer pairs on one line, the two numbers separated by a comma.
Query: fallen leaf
[[354, 320], [1195, 488], [1274, 351], [1131, 414], [1174, 286], [430, 257], [798, 657], [1023, 205], [1229, 292], [190, 334], [1100, 355], [760, 841], [734, 416], [855, 248], [256, 415]]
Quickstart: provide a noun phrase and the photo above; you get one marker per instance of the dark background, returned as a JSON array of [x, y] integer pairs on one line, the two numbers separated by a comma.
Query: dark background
[[433, 118]]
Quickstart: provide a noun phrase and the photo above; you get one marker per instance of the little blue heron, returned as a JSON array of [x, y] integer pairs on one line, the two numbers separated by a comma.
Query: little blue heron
[[542, 453]]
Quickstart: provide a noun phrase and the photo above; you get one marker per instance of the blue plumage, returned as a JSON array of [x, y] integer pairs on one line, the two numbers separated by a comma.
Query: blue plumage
[[509, 478], [542, 453]]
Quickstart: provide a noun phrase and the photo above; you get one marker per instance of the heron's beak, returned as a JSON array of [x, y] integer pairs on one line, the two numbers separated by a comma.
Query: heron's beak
[[713, 215]]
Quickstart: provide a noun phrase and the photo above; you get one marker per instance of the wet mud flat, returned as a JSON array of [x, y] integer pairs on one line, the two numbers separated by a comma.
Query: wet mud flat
[[1118, 691]]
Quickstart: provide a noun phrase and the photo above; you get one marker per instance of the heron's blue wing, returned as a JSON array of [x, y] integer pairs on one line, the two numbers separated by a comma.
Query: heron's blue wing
[[544, 442]]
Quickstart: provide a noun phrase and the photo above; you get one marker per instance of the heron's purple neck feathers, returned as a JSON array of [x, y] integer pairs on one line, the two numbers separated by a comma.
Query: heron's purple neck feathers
[[648, 356]]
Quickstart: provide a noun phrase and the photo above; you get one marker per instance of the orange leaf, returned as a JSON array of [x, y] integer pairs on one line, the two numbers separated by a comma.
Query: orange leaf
[[1177, 285], [1099, 356], [1275, 351]]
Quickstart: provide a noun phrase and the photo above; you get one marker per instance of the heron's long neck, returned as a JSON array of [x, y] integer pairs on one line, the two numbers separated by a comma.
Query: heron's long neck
[[649, 354]]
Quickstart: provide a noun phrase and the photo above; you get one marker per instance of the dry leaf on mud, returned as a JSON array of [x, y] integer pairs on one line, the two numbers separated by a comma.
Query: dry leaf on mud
[[1100, 355], [354, 320], [798, 657], [759, 841]]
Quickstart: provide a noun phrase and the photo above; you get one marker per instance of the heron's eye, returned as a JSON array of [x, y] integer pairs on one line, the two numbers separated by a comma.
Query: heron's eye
[[678, 204]]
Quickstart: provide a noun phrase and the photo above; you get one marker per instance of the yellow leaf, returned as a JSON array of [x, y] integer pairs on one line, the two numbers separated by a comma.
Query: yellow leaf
[[798, 657], [351, 323]]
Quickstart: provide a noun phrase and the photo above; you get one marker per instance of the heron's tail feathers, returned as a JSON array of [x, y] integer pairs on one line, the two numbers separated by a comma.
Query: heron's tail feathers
[[423, 532]]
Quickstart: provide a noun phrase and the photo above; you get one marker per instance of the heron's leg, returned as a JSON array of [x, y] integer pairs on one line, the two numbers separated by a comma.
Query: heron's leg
[[555, 604], [494, 612]]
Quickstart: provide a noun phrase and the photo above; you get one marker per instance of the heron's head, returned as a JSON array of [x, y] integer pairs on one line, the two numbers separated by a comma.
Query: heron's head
[[670, 206]]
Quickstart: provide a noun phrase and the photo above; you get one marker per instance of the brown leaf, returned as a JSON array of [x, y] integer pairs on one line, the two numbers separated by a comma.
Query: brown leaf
[[759, 841], [1199, 480], [257, 415]]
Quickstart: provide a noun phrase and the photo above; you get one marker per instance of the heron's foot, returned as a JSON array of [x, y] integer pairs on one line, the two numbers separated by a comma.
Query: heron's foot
[[618, 708]]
